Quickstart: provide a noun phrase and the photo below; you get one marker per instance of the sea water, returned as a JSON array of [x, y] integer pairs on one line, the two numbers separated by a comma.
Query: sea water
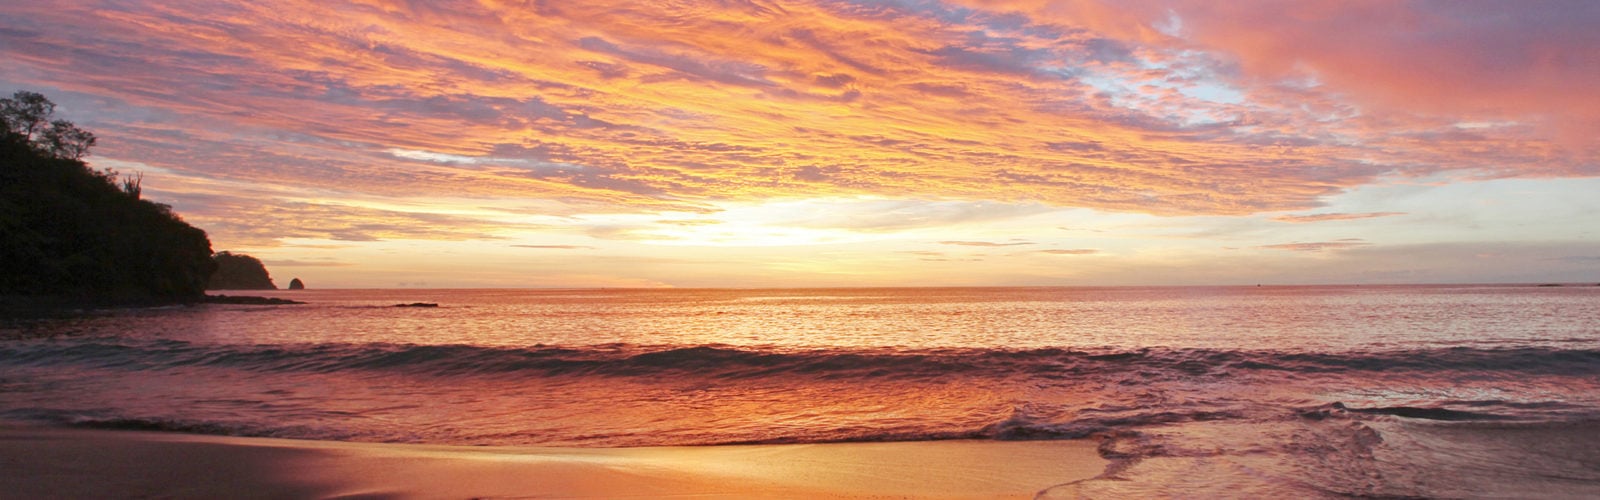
[[1406, 391]]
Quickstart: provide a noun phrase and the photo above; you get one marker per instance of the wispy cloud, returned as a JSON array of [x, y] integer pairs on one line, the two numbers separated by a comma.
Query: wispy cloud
[[948, 113], [1577, 258], [1333, 216], [265, 222], [1318, 246], [1070, 251], [304, 263], [556, 247], [986, 243]]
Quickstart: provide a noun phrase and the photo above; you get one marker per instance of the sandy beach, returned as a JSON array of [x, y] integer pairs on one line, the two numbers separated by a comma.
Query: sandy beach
[[71, 463]]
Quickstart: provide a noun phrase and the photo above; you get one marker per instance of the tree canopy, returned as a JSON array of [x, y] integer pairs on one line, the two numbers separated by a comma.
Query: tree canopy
[[237, 271], [70, 231], [31, 116]]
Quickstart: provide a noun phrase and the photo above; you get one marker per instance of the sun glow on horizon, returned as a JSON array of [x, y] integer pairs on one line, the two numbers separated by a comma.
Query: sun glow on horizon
[[817, 142]]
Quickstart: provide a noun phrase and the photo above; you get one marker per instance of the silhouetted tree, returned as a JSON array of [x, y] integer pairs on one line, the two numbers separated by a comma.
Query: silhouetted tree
[[69, 231], [132, 185], [28, 114], [64, 140]]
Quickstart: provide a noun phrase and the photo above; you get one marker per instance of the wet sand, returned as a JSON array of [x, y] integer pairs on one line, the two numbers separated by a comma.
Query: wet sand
[[71, 463]]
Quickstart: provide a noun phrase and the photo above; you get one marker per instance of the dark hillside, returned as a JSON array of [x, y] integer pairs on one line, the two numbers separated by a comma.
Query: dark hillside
[[69, 232], [237, 271]]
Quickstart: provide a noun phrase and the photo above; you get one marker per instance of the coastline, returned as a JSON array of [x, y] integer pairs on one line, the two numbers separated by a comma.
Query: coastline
[[44, 462], [48, 307]]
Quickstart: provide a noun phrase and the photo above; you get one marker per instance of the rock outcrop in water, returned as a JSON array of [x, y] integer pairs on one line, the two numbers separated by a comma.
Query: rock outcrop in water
[[237, 271], [245, 300], [73, 235], [296, 284]]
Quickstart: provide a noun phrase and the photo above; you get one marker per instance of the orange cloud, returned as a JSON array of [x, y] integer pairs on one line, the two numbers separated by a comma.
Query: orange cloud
[[302, 263], [985, 243], [1318, 246], [1071, 251], [1333, 216], [555, 247], [1172, 108]]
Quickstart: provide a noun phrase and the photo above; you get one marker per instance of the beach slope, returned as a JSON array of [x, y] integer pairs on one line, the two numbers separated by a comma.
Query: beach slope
[[71, 463]]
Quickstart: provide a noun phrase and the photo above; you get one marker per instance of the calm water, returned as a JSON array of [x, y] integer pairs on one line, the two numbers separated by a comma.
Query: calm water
[[1431, 391]]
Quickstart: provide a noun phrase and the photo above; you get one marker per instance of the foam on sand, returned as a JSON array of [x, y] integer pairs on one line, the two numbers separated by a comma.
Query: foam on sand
[[72, 463]]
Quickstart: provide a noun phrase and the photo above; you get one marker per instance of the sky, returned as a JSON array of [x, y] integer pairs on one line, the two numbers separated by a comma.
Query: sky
[[497, 143]]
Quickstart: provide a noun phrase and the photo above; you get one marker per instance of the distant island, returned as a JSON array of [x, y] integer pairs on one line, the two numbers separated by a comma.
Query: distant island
[[239, 272], [71, 234]]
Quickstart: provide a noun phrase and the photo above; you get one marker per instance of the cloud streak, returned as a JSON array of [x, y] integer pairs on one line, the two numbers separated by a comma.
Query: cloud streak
[[1070, 251], [1333, 216], [1167, 108], [302, 263], [555, 247], [1318, 246], [985, 243]]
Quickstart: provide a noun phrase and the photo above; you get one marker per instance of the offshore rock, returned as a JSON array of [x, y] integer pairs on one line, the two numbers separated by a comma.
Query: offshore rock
[[246, 300]]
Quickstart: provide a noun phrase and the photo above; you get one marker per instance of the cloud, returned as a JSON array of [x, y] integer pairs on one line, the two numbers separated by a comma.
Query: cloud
[[693, 66], [1579, 259], [1334, 216], [625, 233], [1071, 251], [689, 222], [1226, 110], [556, 247], [1484, 60], [303, 263], [1319, 246], [258, 219], [985, 243]]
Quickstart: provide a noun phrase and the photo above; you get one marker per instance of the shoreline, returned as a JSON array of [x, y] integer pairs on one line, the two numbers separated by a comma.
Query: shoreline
[[49, 462], [16, 307]]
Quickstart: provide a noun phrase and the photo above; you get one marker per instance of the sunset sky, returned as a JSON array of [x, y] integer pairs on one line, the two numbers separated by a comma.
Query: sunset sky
[[593, 143]]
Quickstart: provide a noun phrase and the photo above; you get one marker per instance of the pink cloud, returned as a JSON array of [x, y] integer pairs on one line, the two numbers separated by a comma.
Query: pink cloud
[[1468, 61], [1319, 246], [1166, 108], [1333, 216]]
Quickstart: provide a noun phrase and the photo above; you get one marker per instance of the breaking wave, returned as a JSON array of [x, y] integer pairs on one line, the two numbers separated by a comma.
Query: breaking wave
[[730, 362]]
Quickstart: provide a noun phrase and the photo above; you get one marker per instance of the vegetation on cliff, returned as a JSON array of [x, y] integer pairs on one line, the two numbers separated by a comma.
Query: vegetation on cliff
[[237, 271], [70, 232]]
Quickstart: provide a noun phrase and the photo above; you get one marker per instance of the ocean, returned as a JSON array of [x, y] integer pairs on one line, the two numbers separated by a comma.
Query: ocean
[[1305, 391]]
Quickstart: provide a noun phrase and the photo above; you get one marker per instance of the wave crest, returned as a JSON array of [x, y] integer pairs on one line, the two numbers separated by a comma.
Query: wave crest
[[720, 361]]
